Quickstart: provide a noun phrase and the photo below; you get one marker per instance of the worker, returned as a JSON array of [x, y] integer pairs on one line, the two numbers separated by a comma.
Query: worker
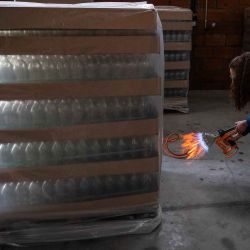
[[240, 88]]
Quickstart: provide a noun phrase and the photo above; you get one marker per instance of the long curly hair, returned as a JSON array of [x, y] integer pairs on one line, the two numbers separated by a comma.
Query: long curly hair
[[240, 86]]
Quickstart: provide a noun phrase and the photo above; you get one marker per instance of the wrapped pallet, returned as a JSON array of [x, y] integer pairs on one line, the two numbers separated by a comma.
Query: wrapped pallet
[[80, 120], [177, 32]]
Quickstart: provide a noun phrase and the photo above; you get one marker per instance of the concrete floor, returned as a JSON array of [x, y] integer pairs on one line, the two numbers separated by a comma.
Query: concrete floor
[[206, 203]]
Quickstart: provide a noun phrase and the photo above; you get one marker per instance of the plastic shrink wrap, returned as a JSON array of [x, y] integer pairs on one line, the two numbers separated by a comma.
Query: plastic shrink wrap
[[80, 120]]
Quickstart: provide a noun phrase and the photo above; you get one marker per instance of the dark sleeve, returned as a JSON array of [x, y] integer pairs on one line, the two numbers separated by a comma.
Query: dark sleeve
[[248, 127]]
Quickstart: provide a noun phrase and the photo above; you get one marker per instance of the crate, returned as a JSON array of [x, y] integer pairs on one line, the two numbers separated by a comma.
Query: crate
[[106, 110], [177, 34]]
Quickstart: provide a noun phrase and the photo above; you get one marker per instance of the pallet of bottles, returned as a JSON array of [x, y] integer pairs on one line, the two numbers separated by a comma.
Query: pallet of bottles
[[177, 34], [80, 120]]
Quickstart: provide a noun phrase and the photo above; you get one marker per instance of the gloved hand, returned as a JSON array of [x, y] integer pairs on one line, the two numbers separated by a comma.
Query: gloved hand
[[243, 127]]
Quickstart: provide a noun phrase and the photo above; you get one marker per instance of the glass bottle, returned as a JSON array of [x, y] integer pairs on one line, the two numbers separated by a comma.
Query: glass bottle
[[77, 111], [69, 152], [65, 112], [18, 154], [44, 150], [82, 150], [48, 191], [51, 113], [35, 192], [31, 153], [38, 114], [22, 193], [57, 153], [8, 194]]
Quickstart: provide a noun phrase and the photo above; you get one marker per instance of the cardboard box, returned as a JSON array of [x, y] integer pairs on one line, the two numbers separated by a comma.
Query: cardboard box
[[177, 65], [173, 46], [174, 13], [53, 16], [176, 84]]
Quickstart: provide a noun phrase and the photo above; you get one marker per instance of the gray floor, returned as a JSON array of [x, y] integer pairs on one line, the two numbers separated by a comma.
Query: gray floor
[[206, 203]]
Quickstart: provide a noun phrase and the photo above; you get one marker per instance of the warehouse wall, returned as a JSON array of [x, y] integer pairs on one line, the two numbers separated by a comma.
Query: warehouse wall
[[215, 47]]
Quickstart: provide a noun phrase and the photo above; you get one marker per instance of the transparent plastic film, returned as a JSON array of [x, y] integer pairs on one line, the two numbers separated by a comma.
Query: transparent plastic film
[[64, 152], [80, 120], [14, 195], [54, 68], [19, 114]]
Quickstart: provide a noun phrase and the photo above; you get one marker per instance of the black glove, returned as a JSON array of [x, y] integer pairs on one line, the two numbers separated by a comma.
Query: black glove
[[246, 131]]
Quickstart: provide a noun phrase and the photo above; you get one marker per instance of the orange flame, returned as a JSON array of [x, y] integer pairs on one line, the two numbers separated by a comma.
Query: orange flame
[[193, 145]]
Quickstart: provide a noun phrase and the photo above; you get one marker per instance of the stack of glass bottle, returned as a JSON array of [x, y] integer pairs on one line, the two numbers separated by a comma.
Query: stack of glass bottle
[[177, 55], [83, 141], [28, 114]]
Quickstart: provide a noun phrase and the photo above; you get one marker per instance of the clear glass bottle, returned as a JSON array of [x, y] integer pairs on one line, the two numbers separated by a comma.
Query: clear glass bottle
[[49, 68], [135, 149], [60, 190], [105, 69], [96, 186], [2, 123], [77, 111], [65, 112], [18, 154], [96, 150], [76, 68], [38, 114], [109, 185], [100, 109], [131, 67], [121, 183], [130, 108], [179, 37], [147, 146], [82, 150], [57, 153], [7, 114], [51, 113], [88, 110], [35, 70], [8, 194], [90, 68], [122, 148], [6, 70], [48, 191], [44, 150], [84, 185], [133, 182], [22, 193], [70, 153], [20, 69], [62, 66], [31, 154], [71, 189], [118, 67], [5, 155], [24, 114], [114, 109], [110, 149], [35, 192]]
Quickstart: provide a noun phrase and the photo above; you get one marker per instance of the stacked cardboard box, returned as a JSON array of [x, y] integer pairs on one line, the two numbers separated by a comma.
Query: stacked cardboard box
[[177, 34], [246, 37], [80, 116]]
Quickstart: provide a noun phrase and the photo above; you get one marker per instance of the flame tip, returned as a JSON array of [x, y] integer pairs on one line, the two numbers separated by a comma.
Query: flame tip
[[195, 145]]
